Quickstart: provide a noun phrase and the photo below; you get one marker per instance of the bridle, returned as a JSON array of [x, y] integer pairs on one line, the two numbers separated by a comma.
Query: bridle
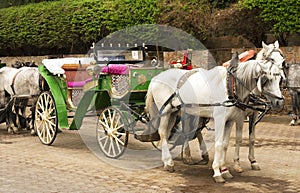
[[256, 100]]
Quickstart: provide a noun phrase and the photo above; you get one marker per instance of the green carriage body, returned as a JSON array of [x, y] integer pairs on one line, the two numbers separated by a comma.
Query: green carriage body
[[58, 87], [108, 92], [100, 95]]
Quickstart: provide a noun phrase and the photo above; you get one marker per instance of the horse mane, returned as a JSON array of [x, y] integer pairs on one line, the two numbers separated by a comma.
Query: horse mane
[[246, 72]]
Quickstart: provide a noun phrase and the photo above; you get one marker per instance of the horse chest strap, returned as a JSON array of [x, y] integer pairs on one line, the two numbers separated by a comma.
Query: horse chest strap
[[13, 82]]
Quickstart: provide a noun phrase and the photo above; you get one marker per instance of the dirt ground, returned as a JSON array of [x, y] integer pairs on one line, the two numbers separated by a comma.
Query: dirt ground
[[72, 164]]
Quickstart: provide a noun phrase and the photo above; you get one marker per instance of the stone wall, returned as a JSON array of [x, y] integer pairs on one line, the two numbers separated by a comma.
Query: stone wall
[[200, 58]]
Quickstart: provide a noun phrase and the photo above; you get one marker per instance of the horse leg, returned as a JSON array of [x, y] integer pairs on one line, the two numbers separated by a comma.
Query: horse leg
[[202, 145], [200, 123], [224, 170], [219, 121], [164, 132], [187, 158], [13, 118], [2, 98], [238, 141], [18, 108], [192, 122], [24, 104], [32, 111], [295, 101], [298, 108], [10, 121], [251, 157]]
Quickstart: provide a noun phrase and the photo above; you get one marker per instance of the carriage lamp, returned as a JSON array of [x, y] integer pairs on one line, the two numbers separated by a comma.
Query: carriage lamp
[[90, 70], [93, 69]]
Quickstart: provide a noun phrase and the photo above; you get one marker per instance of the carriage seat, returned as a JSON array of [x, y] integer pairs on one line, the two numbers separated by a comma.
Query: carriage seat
[[115, 69], [78, 84], [55, 66]]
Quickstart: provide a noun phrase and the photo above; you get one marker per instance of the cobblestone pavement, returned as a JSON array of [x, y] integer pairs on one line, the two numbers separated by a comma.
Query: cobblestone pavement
[[69, 165]]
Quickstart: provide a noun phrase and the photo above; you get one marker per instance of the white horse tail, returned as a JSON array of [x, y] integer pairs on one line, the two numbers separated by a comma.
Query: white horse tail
[[150, 103]]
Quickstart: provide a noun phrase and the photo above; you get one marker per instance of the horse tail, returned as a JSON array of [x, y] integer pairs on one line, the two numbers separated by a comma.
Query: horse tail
[[150, 103]]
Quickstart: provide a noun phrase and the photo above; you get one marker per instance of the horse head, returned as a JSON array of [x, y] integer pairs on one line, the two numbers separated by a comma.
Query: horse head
[[269, 82], [271, 52]]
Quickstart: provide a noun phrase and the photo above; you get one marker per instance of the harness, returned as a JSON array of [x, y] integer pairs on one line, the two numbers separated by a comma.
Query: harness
[[13, 82], [253, 102], [233, 99]]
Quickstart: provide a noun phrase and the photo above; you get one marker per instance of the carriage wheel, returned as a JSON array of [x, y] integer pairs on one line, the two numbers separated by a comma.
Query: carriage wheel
[[45, 122], [112, 132]]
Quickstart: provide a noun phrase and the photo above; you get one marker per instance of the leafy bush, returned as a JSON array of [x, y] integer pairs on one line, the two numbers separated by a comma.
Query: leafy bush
[[8, 3], [284, 14], [221, 3], [68, 26]]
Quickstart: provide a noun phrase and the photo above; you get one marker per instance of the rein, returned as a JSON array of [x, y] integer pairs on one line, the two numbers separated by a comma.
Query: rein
[[233, 99], [254, 99]]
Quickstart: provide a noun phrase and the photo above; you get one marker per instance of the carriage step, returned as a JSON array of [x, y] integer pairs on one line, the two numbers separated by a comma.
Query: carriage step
[[147, 137]]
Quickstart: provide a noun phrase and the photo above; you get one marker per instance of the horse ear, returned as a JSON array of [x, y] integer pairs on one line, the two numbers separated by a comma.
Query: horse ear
[[234, 62], [276, 44], [263, 44]]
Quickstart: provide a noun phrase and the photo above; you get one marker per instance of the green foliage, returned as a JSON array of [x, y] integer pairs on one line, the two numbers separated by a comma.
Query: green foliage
[[8, 3], [284, 14], [191, 16], [69, 26], [221, 3]]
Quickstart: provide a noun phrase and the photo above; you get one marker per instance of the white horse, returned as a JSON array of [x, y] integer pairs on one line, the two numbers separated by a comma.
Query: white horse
[[18, 83], [205, 94], [272, 53]]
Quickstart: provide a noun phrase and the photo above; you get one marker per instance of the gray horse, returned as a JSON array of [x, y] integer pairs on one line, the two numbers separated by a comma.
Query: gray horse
[[17, 86], [293, 84]]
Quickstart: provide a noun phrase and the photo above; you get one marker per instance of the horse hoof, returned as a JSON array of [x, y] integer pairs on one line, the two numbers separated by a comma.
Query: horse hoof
[[219, 179], [255, 167], [188, 161], [32, 132], [238, 169], [10, 131], [202, 162], [292, 123], [227, 175], [169, 168]]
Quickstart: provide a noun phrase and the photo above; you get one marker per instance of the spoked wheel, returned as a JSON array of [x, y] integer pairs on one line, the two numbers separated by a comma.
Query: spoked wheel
[[112, 132], [45, 118]]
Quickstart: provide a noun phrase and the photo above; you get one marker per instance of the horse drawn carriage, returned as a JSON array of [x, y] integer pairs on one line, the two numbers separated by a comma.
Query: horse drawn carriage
[[117, 89]]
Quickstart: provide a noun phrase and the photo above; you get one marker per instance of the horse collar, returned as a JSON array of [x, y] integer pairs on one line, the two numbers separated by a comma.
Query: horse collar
[[231, 85]]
